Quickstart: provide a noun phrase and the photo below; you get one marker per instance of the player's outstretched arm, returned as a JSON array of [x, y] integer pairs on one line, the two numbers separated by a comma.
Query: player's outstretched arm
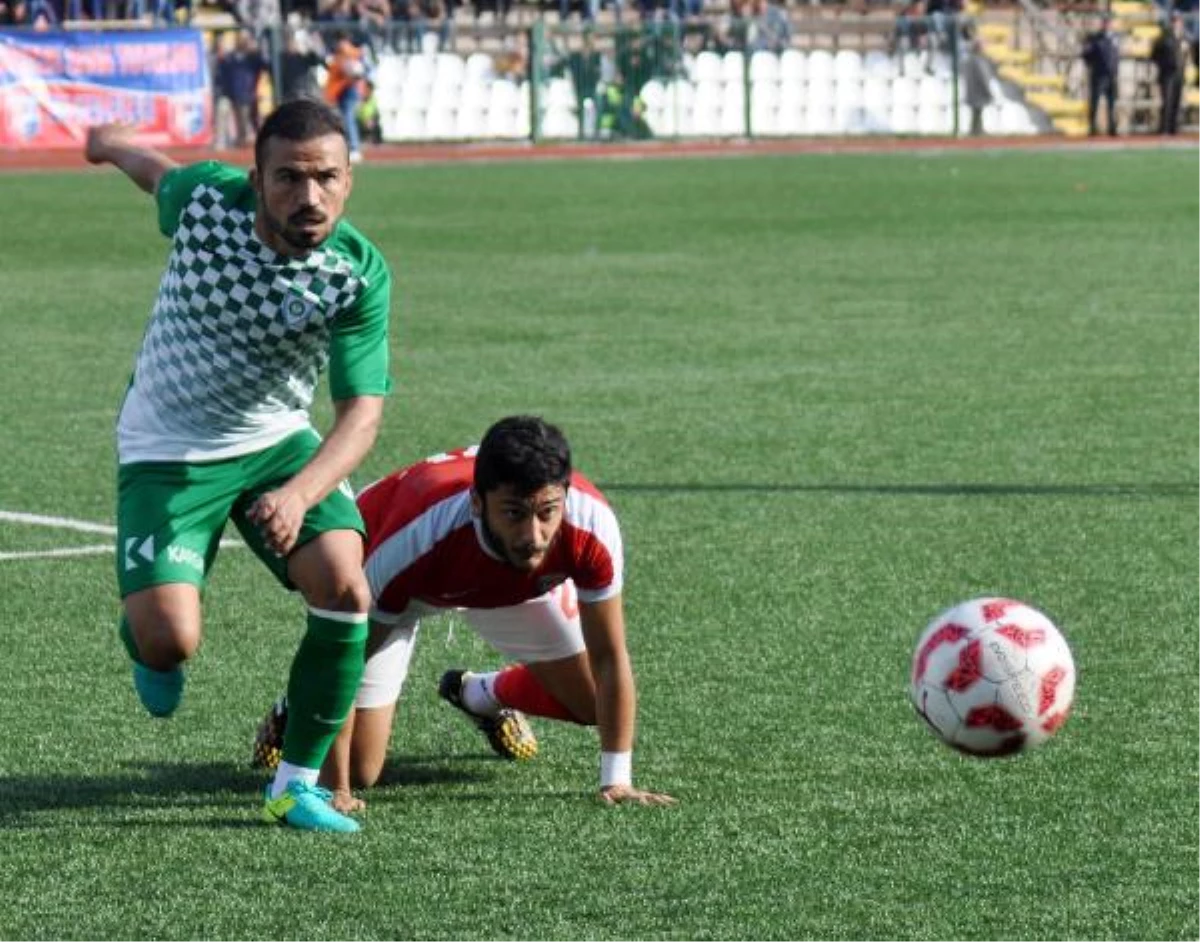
[[114, 144], [603, 626]]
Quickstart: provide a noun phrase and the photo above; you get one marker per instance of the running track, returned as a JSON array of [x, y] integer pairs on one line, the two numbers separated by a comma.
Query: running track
[[391, 154]]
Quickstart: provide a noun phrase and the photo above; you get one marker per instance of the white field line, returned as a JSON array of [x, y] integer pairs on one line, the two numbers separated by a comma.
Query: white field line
[[57, 523], [68, 523], [64, 551]]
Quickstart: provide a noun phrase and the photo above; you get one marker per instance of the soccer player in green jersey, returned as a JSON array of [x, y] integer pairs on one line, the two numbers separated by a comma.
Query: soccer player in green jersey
[[265, 286]]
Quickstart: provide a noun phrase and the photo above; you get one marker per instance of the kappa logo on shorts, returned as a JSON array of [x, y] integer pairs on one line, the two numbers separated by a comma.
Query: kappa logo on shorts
[[185, 556], [135, 547]]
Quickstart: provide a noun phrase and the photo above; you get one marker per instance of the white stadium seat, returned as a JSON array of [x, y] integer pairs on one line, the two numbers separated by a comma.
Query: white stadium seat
[[819, 66], [441, 123], [653, 93], [879, 64], [559, 93], [479, 66], [706, 68], [389, 72], [793, 66], [819, 120], [733, 67], [419, 70], [764, 66], [847, 67], [449, 67], [560, 122]]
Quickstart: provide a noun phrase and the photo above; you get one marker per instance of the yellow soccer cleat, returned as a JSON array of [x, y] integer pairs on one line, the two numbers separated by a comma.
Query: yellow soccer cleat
[[508, 732]]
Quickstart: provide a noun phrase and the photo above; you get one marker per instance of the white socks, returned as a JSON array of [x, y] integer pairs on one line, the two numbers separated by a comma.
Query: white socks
[[477, 694], [286, 772]]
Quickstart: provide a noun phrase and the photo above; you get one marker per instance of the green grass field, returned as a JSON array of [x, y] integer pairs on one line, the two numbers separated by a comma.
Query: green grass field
[[828, 396]]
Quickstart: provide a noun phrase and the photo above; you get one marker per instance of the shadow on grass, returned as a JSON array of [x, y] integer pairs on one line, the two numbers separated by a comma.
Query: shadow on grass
[[1183, 489], [194, 794]]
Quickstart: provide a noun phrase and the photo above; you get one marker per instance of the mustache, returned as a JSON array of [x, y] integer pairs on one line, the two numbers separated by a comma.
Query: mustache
[[307, 215]]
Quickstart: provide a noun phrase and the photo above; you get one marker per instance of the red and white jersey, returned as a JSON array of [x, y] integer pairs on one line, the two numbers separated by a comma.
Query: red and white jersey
[[423, 543]]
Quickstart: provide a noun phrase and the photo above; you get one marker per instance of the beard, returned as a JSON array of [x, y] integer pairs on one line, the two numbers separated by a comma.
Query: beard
[[292, 230]]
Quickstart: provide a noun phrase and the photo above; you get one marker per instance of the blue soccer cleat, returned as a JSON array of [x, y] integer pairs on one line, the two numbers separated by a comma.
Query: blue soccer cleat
[[306, 808], [159, 691]]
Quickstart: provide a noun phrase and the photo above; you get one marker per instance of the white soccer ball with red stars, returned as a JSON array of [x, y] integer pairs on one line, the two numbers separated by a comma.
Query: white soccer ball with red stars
[[992, 677]]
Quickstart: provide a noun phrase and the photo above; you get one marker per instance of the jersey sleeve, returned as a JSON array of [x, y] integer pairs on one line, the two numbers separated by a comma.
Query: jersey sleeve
[[176, 186], [358, 355], [598, 548]]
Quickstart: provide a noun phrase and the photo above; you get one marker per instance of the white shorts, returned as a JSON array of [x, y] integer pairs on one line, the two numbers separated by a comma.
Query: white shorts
[[542, 629]]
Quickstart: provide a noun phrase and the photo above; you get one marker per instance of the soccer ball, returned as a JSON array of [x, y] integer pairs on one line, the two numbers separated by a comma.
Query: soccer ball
[[992, 677]]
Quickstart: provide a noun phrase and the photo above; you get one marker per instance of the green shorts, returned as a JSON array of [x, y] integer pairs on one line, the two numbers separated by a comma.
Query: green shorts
[[170, 514]]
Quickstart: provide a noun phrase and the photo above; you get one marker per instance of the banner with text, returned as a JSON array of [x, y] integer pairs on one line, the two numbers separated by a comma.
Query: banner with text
[[54, 86]]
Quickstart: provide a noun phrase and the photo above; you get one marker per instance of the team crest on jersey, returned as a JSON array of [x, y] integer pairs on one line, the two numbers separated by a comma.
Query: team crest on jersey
[[549, 581], [296, 309]]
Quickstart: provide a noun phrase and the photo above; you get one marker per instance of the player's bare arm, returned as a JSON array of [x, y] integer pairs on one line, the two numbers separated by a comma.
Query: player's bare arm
[[603, 625], [114, 144], [279, 514]]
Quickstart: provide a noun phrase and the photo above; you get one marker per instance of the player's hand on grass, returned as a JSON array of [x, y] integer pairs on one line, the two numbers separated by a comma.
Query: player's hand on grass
[[103, 138], [628, 795], [279, 516], [345, 802]]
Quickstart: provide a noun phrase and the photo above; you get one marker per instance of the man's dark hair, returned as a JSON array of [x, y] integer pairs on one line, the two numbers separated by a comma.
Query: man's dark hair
[[300, 119], [523, 451]]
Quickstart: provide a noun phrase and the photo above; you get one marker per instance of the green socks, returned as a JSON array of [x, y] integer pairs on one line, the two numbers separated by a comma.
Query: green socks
[[323, 681]]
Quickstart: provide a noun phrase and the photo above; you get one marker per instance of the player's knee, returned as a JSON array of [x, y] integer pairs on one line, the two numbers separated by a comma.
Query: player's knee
[[163, 643], [162, 650], [346, 592]]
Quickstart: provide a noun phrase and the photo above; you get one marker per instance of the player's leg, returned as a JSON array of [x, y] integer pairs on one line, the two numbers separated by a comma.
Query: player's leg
[[323, 678], [326, 568], [357, 756], [553, 677], [160, 628], [169, 521]]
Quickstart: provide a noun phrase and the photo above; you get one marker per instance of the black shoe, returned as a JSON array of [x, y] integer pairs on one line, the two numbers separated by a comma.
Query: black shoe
[[508, 732], [268, 740]]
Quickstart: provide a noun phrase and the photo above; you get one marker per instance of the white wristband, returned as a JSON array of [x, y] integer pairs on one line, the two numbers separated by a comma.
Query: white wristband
[[616, 768]]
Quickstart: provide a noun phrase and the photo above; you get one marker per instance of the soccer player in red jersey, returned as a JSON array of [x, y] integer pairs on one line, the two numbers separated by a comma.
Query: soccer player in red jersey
[[529, 552]]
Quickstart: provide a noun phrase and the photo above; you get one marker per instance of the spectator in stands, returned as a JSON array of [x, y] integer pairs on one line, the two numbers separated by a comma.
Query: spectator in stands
[[500, 8], [236, 80], [1102, 56], [404, 34], [370, 126], [512, 62], [430, 16], [586, 68], [770, 30], [623, 111], [977, 76], [297, 68], [13, 13], [909, 32], [343, 87], [1169, 55], [43, 16], [730, 30]]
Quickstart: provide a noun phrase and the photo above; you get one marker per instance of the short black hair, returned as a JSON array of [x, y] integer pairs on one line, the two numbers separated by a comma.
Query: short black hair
[[300, 119], [524, 451]]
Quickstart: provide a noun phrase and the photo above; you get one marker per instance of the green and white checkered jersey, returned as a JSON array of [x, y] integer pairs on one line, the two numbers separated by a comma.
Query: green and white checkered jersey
[[239, 335]]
